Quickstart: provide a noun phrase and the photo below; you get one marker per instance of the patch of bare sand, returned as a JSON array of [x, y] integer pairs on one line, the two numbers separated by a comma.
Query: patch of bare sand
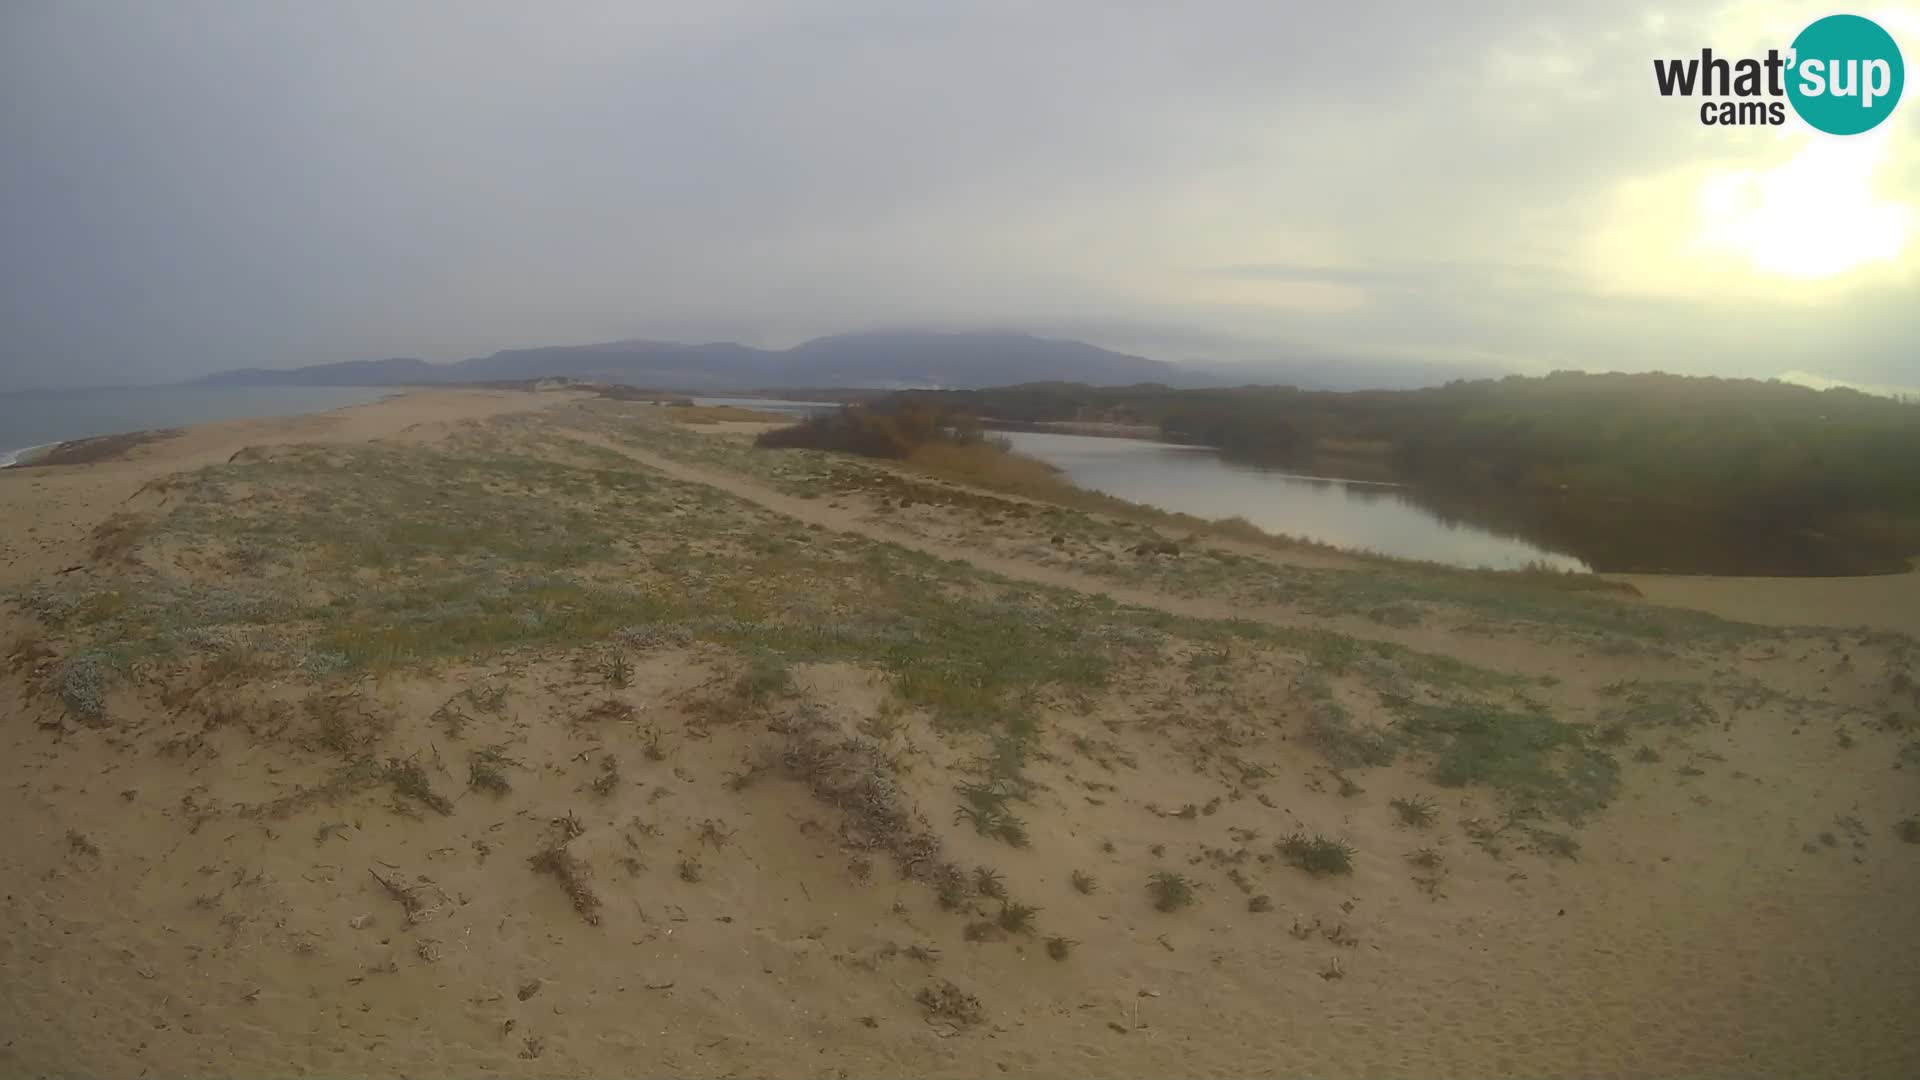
[[174, 904], [1887, 602], [48, 511], [735, 928]]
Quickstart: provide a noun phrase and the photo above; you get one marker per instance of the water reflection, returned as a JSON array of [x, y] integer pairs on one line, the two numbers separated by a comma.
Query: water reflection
[[1370, 516], [1626, 536], [799, 410], [1477, 530]]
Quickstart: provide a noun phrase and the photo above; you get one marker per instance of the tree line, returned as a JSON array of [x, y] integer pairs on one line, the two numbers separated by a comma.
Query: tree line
[[1774, 455]]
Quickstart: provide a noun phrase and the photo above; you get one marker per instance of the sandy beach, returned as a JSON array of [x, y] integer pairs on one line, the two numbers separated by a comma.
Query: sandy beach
[[1886, 601], [490, 732]]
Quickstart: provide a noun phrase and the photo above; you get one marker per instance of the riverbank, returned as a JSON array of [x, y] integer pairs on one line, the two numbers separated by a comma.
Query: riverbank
[[475, 732], [1097, 428], [1509, 531], [1608, 468]]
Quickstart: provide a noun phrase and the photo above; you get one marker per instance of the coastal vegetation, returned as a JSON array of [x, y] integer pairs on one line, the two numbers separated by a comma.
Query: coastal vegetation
[[1796, 477], [654, 714]]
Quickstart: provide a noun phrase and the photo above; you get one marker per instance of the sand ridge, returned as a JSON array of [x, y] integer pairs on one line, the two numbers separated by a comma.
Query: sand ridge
[[180, 891], [48, 509]]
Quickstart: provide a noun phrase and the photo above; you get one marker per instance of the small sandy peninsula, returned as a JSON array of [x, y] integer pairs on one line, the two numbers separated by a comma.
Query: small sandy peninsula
[[537, 734]]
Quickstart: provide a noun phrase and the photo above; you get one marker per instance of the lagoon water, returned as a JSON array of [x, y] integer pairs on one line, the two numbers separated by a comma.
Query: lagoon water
[[35, 418], [1195, 480], [1351, 514], [795, 409]]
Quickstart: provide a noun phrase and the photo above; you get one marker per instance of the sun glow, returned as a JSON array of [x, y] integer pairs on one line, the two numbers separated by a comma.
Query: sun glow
[[1816, 216]]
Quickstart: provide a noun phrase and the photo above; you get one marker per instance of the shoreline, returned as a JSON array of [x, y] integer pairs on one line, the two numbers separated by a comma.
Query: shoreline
[[38, 453], [1847, 559], [50, 511], [26, 455], [114, 426], [1891, 601], [92, 448]]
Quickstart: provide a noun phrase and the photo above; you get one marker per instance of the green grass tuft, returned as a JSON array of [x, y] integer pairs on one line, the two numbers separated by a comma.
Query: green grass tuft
[[988, 883], [1016, 918], [487, 771], [1416, 811], [1317, 855], [1170, 891], [409, 778], [764, 678], [1528, 756]]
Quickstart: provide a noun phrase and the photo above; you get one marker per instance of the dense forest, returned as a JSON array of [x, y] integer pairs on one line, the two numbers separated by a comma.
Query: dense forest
[[1834, 463]]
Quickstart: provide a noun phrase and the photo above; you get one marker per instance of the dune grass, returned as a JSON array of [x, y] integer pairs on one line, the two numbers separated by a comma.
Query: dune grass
[[388, 557], [1317, 855], [1534, 760], [1392, 590]]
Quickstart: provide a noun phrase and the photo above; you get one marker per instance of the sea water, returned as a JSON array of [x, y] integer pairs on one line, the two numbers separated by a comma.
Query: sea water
[[33, 419]]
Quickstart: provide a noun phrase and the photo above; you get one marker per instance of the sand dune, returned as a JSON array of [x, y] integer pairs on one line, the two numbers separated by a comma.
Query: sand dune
[[473, 732], [49, 509], [1888, 602]]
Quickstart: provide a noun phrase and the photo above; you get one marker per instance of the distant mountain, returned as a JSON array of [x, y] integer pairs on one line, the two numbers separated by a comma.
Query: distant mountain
[[890, 360], [400, 371], [906, 359], [650, 363]]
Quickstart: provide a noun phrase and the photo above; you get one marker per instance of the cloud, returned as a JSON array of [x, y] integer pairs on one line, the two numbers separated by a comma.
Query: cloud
[[198, 186]]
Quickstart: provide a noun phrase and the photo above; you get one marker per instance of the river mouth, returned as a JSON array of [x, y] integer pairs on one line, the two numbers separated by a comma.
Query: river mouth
[[1498, 532]]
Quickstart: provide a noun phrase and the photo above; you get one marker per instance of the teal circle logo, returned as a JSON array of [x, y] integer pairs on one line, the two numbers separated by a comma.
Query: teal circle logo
[[1847, 75]]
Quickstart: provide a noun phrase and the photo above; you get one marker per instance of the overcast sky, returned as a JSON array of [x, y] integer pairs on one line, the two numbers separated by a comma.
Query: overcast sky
[[190, 187]]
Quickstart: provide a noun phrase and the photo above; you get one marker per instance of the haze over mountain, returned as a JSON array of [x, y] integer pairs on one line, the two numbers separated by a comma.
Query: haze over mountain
[[198, 187], [893, 360], [884, 360]]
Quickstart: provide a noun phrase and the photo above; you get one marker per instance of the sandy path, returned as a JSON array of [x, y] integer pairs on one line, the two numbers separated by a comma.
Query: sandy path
[[1515, 653], [1883, 602], [817, 512]]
